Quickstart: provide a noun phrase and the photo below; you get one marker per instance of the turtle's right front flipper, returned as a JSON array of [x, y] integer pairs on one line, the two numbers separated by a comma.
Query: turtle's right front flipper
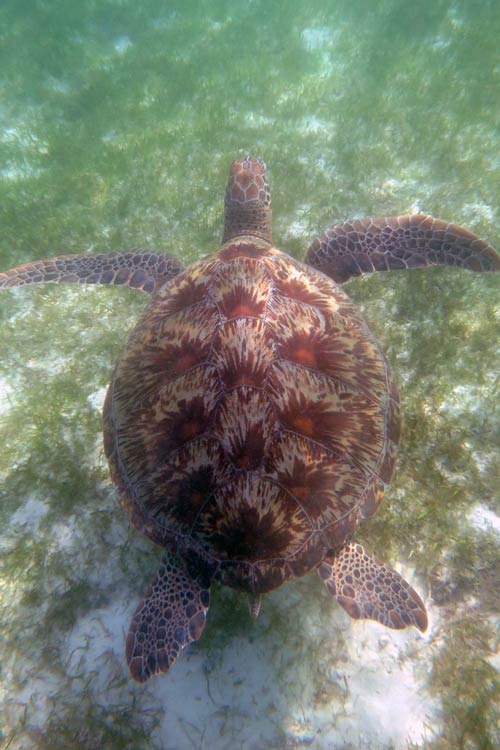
[[368, 589], [171, 615], [398, 242], [140, 269]]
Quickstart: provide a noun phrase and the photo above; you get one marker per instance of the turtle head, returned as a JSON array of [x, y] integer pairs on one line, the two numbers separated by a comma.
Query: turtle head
[[248, 201]]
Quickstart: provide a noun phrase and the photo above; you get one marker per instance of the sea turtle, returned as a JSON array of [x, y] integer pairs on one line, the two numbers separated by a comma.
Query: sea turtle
[[252, 421]]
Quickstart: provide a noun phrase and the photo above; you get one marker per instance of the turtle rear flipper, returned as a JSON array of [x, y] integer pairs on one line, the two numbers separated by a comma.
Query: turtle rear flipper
[[370, 590], [171, 615], [398, 242], [145, 270]]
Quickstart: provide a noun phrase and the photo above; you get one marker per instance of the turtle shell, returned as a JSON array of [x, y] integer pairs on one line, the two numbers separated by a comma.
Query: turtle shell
[[252, 420]]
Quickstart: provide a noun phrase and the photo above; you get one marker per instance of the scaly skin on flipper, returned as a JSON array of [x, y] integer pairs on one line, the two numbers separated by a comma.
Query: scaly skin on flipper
[[370, 590], [399, 242], [171, 615], [145, 270]]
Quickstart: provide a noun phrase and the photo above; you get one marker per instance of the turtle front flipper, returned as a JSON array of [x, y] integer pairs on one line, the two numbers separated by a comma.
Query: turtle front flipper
[[171, 615], [385, 244], [370, 590], [140, 269]]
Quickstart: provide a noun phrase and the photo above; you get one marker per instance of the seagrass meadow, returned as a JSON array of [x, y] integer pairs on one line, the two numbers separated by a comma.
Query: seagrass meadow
[[118, 123]]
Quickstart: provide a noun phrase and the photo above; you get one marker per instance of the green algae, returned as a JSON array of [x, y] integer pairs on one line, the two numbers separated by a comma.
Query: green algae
[[469, 685], [92, 726], [119, 121]]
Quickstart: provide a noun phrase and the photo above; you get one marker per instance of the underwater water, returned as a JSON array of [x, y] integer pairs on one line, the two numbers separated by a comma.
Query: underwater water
[[118, 122]]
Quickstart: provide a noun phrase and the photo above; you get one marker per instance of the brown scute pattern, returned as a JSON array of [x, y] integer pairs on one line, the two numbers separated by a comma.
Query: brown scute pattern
[[308, 556], [326, 488], [398, 242], [242, 288], [292, 280], [290, 319], [185, 290], [243, 350], [367, 589], [329, 344], [177, 343], [252, 519], [338, 419], [250, 423], [245, 427], [171, 615], [338, 531], [139, 269], [182, 411], [305, 470], [179, 414], [338, 309], [176, 490], [372, 498]]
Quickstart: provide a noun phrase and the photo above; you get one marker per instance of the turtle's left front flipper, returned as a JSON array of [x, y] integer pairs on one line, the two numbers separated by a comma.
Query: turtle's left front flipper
[[145, 270], [370, 590], [385, 244], [171, 615]]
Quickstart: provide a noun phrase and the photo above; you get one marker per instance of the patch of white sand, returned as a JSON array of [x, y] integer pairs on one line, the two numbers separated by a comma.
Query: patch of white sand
[[29, 515], [5, 391], [346, 685], [484, 519]]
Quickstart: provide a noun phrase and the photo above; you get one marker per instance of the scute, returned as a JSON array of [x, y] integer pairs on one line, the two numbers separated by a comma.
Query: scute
[[251, 420], [326, 487], [241, 288], [252, 519], [246, 426], [243, 351]]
